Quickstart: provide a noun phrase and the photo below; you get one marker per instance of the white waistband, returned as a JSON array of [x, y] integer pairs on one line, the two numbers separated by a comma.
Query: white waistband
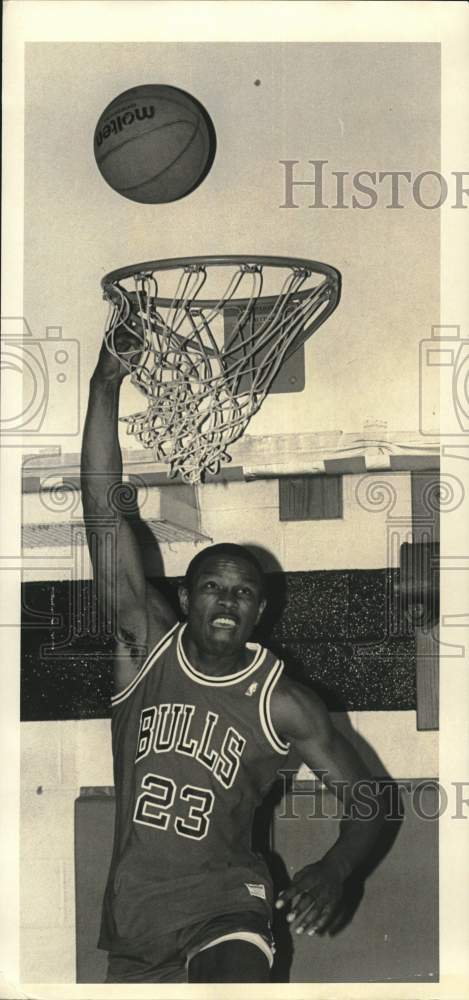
[[250, 936]]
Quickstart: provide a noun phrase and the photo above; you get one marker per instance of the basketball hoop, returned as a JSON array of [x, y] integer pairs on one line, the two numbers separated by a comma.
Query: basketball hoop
[[206, 364]]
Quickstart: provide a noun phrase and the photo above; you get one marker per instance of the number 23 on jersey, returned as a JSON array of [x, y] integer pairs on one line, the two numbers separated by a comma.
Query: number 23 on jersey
[[155, 806]]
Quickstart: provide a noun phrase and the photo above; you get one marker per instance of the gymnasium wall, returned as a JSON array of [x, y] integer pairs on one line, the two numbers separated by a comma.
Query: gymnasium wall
[[59, 756]]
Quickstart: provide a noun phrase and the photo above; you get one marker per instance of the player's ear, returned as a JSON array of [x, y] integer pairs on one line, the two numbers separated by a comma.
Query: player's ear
[[184, 599], [261, 610]]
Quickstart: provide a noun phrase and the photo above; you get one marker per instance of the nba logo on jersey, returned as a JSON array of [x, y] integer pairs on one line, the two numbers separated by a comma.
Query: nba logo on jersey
[[251, 689]]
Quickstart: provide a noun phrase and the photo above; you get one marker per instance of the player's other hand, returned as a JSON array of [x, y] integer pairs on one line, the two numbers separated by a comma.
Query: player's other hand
[[127, 347], [314, 896]]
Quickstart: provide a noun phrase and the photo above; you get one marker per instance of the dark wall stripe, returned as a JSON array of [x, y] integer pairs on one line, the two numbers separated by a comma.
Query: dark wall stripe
[[341, 632]]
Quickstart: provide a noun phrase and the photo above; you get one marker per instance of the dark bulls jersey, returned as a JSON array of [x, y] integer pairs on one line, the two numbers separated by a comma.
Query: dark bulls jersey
[[193, 757]]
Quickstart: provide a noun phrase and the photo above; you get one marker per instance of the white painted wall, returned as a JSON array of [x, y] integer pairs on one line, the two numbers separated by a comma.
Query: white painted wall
[[376, 520]]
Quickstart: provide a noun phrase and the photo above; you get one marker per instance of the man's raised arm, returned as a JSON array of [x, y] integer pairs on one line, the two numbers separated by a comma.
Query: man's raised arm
[[124, 597]]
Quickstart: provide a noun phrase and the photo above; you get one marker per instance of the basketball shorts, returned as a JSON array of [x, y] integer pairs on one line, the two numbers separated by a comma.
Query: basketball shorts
[[174, 950]]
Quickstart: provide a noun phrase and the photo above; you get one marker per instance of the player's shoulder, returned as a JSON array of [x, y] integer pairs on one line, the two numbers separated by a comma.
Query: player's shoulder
[[292, 695], [295, 708]]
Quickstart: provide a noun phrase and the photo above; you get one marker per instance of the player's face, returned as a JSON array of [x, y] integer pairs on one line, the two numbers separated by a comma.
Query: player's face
[[224, 604]]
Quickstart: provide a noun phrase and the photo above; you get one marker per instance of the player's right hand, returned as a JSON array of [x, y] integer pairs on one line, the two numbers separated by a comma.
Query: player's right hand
[[128, 348]]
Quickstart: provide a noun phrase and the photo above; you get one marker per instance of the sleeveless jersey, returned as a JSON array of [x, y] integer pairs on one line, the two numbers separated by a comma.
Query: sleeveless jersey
[[194, 755]]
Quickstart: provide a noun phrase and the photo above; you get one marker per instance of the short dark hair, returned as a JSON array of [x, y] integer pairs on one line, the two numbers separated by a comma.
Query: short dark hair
[[223, 549]]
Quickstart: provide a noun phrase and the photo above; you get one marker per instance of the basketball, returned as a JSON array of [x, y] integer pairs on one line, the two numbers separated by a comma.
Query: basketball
[[154, 144]]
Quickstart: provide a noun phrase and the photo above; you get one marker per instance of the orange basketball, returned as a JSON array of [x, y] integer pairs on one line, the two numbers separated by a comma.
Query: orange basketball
[[154, 144]]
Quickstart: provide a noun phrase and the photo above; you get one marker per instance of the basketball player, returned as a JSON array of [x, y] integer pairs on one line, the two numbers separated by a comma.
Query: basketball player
[[202, 719]]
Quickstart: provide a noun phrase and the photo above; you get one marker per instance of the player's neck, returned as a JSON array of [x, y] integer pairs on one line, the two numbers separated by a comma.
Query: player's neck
[[216, 663]]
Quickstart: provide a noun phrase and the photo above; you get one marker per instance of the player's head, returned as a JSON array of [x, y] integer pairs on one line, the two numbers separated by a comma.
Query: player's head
[[223, 596]]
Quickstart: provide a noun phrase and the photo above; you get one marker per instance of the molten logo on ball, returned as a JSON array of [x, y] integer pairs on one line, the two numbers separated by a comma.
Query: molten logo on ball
[[154, 144], [119, 123]]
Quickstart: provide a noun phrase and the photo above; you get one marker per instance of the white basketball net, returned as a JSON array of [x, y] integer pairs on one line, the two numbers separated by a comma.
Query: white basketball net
[[206, 365]]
